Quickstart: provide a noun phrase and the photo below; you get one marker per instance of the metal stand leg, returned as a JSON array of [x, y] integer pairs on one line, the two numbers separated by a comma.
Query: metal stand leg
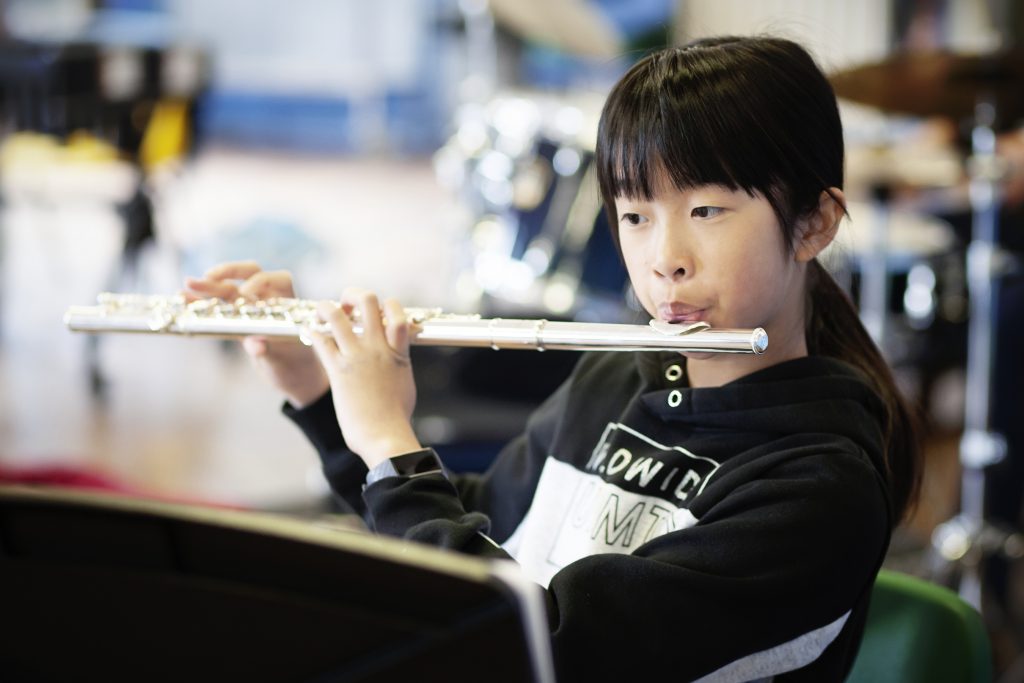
[[137, 216], [967, 539], [874, 283]]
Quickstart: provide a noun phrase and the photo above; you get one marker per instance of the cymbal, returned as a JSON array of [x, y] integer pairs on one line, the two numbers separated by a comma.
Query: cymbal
[[910, 166], [939, 84], [910, 238], [908, 235]]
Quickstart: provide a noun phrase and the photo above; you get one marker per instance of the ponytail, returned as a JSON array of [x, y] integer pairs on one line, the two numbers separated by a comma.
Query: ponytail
[[834, 329]]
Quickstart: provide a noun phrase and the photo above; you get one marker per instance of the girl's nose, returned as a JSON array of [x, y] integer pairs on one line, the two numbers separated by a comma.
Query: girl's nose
[[671, 258]]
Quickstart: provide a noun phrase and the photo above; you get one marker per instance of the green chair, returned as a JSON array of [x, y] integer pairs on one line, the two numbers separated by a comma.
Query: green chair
[[919, 632]]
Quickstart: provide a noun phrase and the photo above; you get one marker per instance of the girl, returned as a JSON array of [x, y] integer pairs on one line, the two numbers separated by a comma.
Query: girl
[[710, 517]]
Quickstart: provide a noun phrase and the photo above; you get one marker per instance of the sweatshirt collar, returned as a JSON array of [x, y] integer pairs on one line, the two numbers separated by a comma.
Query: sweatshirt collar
[[809, 394]]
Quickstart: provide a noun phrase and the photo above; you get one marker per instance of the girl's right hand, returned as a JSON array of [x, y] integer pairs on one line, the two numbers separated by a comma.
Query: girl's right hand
[[291, 367]]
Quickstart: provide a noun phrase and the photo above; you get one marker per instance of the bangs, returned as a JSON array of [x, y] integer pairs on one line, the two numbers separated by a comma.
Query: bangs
[[639, 153], [686, 122]]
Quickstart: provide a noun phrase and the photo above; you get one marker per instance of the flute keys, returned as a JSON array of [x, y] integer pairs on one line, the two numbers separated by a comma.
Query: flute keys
[[160, 321]]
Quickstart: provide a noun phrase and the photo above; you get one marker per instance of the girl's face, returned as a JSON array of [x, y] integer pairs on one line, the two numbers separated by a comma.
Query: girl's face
[[715, 255]]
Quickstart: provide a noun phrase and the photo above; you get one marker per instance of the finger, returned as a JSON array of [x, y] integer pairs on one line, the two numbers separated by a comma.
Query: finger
[[190, 295], [211, 289], [397, 330], [255, 346], [325, 349], [233, 270], [341, 326], [368, 306], [268, 284]]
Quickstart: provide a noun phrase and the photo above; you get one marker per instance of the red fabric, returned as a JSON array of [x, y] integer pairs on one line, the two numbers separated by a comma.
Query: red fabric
[[72, 477], [58, 475]]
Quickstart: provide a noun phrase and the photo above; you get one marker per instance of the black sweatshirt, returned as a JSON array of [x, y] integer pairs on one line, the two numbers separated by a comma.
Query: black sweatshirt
[[721, 534]]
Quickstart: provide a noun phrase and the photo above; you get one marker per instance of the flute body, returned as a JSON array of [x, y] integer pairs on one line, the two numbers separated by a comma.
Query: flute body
[[291, 318]]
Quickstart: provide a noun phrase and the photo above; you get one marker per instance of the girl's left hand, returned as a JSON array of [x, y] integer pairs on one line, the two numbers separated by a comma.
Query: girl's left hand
[[370, 375]]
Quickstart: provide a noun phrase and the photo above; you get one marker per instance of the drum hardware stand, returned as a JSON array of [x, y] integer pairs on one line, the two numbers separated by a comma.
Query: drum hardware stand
[[874, 270], [967, 539]]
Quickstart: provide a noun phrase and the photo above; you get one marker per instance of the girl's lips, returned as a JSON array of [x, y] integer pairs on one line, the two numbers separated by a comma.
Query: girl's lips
[[680, 313]]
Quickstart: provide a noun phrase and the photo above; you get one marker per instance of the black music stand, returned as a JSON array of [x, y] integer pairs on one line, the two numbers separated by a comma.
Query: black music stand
[[100, 587]]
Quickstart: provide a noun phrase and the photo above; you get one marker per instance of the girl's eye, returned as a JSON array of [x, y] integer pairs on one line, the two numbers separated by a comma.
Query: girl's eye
[[632, 219], [706, 211]]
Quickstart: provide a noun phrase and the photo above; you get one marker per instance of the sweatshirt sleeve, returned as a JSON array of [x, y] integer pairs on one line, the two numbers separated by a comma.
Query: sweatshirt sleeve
[[515, 472], [468, 512], [344, 471]]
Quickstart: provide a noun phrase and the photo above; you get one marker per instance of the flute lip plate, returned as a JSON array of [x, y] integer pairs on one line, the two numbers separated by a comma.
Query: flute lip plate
[[675, 329]]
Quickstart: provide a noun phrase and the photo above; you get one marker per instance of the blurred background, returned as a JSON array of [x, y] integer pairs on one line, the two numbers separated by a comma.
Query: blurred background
[[439, 151]]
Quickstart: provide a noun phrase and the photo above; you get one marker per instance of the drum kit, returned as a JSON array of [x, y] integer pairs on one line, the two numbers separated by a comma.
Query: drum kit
[[522, 163], [987, 92]]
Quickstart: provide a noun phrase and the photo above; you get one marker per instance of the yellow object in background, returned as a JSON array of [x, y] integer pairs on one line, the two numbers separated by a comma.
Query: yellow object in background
[[28, 147], [166, 135], [82, 145]]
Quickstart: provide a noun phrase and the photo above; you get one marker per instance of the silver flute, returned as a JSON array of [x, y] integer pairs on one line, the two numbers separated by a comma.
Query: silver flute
[[294, 318]]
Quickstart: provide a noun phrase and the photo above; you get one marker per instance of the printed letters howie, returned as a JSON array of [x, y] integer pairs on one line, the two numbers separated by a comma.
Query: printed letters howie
[[636, 463]]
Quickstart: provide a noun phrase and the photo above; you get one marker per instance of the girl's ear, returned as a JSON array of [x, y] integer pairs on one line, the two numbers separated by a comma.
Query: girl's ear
[[821, 226]]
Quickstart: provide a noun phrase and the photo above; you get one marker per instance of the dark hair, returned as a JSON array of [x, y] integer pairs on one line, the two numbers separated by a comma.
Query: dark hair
[[757, 114]]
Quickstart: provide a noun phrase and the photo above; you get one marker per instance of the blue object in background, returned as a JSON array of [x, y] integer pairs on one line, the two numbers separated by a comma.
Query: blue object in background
[[313, 76], [316, 124], [344, 76], [643, 24], [275, 243], [635, 18]]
